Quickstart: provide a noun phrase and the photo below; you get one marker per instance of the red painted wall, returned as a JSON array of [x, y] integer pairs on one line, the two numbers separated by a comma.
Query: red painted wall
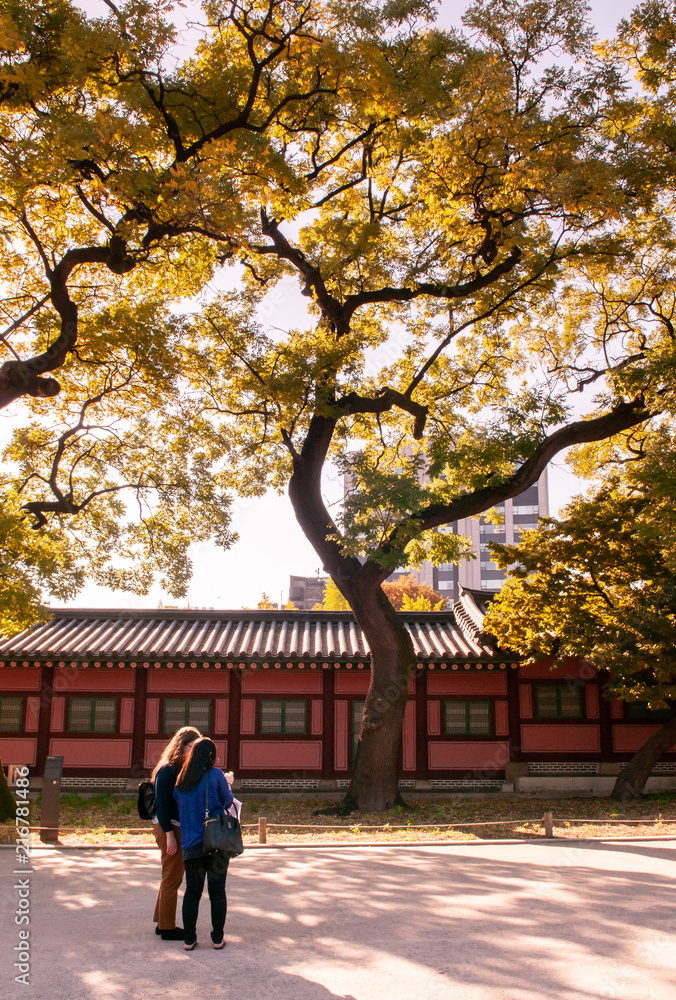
[[453, 755], [571, 667], [277, 755], [221, 723], [75, 679], [349, 682], [94, 753], [564, 738], [466, 683], [20, 679], [434, 718], [248, 716], [628, 739], [18, 751], [190, 681]]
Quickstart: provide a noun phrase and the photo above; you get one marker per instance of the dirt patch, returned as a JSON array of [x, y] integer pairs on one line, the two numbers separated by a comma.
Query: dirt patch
[[112, 819]]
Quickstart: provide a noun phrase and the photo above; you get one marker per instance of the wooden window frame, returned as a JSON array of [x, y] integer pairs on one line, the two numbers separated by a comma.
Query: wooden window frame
[[92, 714], [186, 713], [467, 702], [559, 689], [282, 730], [14, 698]]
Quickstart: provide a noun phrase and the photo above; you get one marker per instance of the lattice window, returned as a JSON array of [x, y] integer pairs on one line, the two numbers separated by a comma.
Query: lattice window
[[179, 712], [92, 715], [467, 718], [283, 717], [558, 701], [11, 714]]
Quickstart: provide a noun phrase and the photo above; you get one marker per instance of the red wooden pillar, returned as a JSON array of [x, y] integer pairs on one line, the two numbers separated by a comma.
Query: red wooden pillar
[[138, 741], [234, 720], [328, 727], [422, 736], [514, 714]]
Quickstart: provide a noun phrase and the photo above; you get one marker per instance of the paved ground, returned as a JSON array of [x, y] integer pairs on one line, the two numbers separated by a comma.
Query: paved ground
[[495, 921]]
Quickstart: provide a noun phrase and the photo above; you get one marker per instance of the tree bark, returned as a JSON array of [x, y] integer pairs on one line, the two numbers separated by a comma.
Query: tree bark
[[7, 803], [375, 783], [631, 782]]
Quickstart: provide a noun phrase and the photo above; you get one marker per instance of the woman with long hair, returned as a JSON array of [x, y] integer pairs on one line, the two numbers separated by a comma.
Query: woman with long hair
[[197, 779], [167, 831]]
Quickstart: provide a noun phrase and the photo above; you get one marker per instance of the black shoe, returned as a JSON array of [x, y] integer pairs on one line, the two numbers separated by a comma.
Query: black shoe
[[176, 934], [189, 945], [157, 929], [218, 942]]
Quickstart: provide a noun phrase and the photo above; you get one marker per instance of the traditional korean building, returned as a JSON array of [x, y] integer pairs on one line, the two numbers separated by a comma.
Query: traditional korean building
[[281, 694]]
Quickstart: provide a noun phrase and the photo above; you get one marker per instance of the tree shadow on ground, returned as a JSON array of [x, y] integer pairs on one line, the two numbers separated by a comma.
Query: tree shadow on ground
[[557, 921]]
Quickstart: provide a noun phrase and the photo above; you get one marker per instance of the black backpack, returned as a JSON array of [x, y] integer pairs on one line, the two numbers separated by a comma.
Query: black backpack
[[146, 800]]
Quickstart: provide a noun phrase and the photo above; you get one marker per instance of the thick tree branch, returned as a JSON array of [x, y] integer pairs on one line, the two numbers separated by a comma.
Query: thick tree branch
[[25, 378], [386, 400], [440, 291], [306, 498], [622, 417], [330, 307]]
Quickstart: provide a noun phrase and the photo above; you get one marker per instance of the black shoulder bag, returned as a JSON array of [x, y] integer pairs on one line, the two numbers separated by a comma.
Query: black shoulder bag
[[221, 832]]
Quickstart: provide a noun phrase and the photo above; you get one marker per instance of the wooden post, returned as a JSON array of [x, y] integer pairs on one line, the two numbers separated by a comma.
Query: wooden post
[[51, 800], [548, 822], [262, 830]]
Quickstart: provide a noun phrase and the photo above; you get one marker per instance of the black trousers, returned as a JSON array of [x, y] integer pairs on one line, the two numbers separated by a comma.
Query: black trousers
[[215, 868]]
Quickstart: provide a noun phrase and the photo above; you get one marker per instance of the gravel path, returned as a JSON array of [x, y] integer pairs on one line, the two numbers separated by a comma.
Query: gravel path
[[472, 921]]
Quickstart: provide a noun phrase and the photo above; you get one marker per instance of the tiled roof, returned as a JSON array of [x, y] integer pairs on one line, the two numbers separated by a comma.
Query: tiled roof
[[77, 634]]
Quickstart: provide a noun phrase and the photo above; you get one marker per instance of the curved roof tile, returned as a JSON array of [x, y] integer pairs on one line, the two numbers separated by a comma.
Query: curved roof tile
[[244, 635]]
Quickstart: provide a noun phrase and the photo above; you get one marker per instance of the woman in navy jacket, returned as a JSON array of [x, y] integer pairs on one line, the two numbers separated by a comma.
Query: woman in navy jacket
[[167, 831], [197, 774]]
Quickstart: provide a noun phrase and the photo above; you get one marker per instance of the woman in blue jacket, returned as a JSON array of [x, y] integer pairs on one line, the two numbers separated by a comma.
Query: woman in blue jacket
[[196, 776]]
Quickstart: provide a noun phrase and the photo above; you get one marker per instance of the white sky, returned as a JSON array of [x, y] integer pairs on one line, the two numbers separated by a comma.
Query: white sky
[[271, 545]]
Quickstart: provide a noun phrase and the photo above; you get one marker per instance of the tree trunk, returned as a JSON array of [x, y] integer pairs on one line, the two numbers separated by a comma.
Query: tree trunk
[[7, 803], [631, 782], [375, 784]]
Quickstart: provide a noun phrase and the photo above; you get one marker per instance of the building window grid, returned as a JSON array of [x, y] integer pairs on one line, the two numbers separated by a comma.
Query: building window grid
[[558, 701], [92, 715], [467, 718], [179, 712], [285, 717], [11, 714]]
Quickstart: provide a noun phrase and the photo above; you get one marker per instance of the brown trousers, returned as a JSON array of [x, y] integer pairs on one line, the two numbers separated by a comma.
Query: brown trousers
[[172, 876]]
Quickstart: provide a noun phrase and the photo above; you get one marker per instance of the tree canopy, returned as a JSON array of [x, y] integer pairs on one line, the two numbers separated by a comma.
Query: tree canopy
[[406, 594], [475, 221], [599, 583]]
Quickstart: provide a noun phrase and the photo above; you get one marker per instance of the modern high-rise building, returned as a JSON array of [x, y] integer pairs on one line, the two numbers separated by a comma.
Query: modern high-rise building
[[306, 591], [519, 514], [481, 573]]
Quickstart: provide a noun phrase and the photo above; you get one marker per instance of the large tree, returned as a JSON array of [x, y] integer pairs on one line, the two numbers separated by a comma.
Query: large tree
[[454, 209], [599, 583]]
